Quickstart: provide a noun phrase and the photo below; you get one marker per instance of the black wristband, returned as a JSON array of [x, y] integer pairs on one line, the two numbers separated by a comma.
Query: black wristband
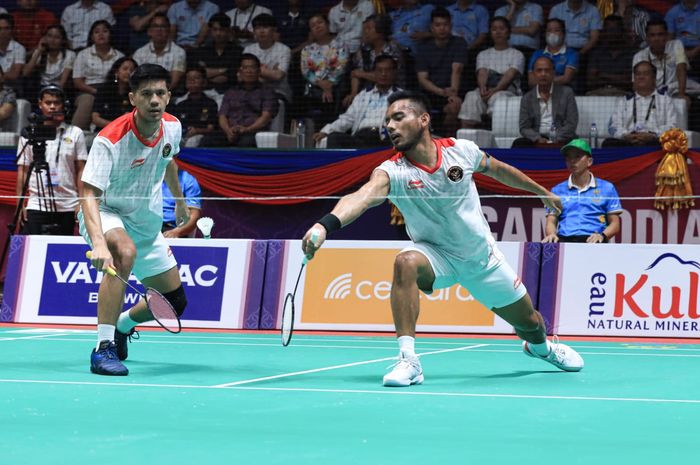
[[605, 238], [330, 222]]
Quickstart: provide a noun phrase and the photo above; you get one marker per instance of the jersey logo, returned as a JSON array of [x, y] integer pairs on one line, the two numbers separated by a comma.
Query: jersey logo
[[138, 162], [455, 174], [166, 150], [415, 184]]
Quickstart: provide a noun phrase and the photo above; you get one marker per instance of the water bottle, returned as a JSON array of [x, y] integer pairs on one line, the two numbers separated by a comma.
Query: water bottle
[[593, 136], [301, 133], [552, 133]]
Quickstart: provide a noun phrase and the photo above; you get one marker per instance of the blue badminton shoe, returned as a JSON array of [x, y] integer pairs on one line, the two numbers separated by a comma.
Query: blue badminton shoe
[[122, 341], [104, 360]]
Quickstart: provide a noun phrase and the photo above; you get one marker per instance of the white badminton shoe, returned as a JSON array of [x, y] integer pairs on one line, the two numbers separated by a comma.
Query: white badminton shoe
[[406, 371], [560, 355]]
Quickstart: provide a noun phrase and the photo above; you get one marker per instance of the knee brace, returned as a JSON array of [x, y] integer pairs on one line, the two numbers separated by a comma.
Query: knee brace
[[177, 299]]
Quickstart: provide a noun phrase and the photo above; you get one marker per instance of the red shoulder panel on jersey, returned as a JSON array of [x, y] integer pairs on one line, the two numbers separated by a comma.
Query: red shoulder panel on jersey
[[445, 142], [169, 118], [396, 157], [117, 129]]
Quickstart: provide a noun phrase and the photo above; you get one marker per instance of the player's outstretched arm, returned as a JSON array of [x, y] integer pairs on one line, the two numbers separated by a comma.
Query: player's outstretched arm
[[100, 256], [513, 177], [347, 210], [182, 212]]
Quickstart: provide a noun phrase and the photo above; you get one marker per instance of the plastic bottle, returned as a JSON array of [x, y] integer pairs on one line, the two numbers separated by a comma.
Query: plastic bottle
[[593, 136], [301, 133], [552, 133]]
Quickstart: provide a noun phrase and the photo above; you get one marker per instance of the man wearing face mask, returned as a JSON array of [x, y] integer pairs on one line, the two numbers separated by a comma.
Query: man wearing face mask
[[609, 70], [564, 58]]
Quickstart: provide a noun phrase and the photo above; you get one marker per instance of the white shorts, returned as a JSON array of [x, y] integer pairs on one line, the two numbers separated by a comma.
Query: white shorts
[[495, 285], [153, 255]]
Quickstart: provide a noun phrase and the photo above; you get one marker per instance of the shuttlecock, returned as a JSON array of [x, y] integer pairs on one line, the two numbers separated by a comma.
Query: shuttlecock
[[205, 224]]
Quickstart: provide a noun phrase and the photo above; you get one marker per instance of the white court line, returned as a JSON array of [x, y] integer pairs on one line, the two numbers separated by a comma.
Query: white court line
[[335, 367], [20, 338], [387, 391]]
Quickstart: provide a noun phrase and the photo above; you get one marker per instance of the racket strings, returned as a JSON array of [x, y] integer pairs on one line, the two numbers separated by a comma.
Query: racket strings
[[162, 310]]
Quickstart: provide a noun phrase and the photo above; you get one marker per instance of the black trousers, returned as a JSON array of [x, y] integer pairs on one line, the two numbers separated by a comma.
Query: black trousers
[[49, 223], [365, 137]]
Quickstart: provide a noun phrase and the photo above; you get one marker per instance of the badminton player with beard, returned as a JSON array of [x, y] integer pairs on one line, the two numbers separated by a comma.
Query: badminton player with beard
[[430, 181], [122, 213]]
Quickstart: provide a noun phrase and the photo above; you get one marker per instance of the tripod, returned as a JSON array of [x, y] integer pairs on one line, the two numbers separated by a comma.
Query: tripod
[[47, 199]]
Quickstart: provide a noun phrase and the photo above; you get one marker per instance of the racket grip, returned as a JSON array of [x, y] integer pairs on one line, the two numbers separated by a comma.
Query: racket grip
[[109, 270], [313, 239]]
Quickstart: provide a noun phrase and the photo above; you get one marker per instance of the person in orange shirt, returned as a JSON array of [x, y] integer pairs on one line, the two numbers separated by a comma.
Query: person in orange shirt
[[31, 23]]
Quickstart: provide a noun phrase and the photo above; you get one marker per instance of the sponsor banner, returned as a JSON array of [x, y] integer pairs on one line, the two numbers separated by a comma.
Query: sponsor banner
[[347, 286], [628, 290], [57, 284]]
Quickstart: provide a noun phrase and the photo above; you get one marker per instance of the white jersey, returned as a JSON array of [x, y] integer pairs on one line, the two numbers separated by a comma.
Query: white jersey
[[129, 171], [441, 205]]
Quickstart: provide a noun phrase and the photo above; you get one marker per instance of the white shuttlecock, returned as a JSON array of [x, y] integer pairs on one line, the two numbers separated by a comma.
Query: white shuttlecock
[[205, 224]]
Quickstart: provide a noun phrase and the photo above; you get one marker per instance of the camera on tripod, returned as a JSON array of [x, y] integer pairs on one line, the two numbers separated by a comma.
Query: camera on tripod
[[38, 134]]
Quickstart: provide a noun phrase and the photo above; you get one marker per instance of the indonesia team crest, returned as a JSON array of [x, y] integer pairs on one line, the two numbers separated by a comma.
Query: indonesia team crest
[[166, 150], [455, 174]]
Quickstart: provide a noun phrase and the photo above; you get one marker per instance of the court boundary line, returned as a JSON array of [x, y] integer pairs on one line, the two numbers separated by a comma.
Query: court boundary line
[[385, 391], [337, 367]]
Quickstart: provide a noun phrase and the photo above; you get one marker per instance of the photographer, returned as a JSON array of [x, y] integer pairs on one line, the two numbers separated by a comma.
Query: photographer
[[53, 154]]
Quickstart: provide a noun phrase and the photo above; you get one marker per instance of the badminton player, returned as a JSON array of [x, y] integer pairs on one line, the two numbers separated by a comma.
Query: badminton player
[[430, 181], [122, 213]]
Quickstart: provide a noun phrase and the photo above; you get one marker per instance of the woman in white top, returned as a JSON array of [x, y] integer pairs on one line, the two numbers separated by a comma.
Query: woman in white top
[[91, 67], [51, 62]]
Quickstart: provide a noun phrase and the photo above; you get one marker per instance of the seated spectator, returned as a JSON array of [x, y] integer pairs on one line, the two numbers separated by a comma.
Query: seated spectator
[[470, 21], [193, 198], [548, 113], [323, 65], [112, 99], [440, 68], [12, 53], [242, 20], [565, 59], [274, 56], [140, 15], [592, 207], [365, 117], [635, 19], [526, 18], [248, 108], [51, 62], [197, 112], [78, 18], [90, 68], [345, 21], [8, 104], [582, 22], [30, 22], [293, 26], [498, 71], [376, 31], [163, 51], [410, 24], [668, 56], [644, 115], [610, 65], [683, 21], [188, 21], [221, 58]]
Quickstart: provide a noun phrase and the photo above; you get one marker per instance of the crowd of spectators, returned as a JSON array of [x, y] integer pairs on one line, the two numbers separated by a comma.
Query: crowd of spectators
[[235, 64]]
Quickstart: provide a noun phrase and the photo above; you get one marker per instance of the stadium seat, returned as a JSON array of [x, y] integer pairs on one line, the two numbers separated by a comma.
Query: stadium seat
[[14, 125], [276, 137]]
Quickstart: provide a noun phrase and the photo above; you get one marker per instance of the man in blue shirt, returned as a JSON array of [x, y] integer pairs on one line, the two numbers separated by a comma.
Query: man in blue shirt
[[583, 23], [193, 199], [592, 207], [683, 21], [526, 19], [470, 21], [188, 21], [410, 24]]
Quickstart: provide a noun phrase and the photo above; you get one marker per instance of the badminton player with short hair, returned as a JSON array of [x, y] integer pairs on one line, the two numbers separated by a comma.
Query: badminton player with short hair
[[430, 181], [122, 213]]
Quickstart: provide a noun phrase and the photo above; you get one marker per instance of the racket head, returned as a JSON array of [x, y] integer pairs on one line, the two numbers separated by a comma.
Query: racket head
[[162, 311], [287, 327]]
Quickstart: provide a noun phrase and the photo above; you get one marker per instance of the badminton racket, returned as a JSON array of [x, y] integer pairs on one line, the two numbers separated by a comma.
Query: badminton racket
[[288, 309], [162, 311]]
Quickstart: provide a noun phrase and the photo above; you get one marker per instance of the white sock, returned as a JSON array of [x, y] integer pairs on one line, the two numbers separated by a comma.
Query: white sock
[[540, 349], [407, 346], [125, 323], [104, 333]]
